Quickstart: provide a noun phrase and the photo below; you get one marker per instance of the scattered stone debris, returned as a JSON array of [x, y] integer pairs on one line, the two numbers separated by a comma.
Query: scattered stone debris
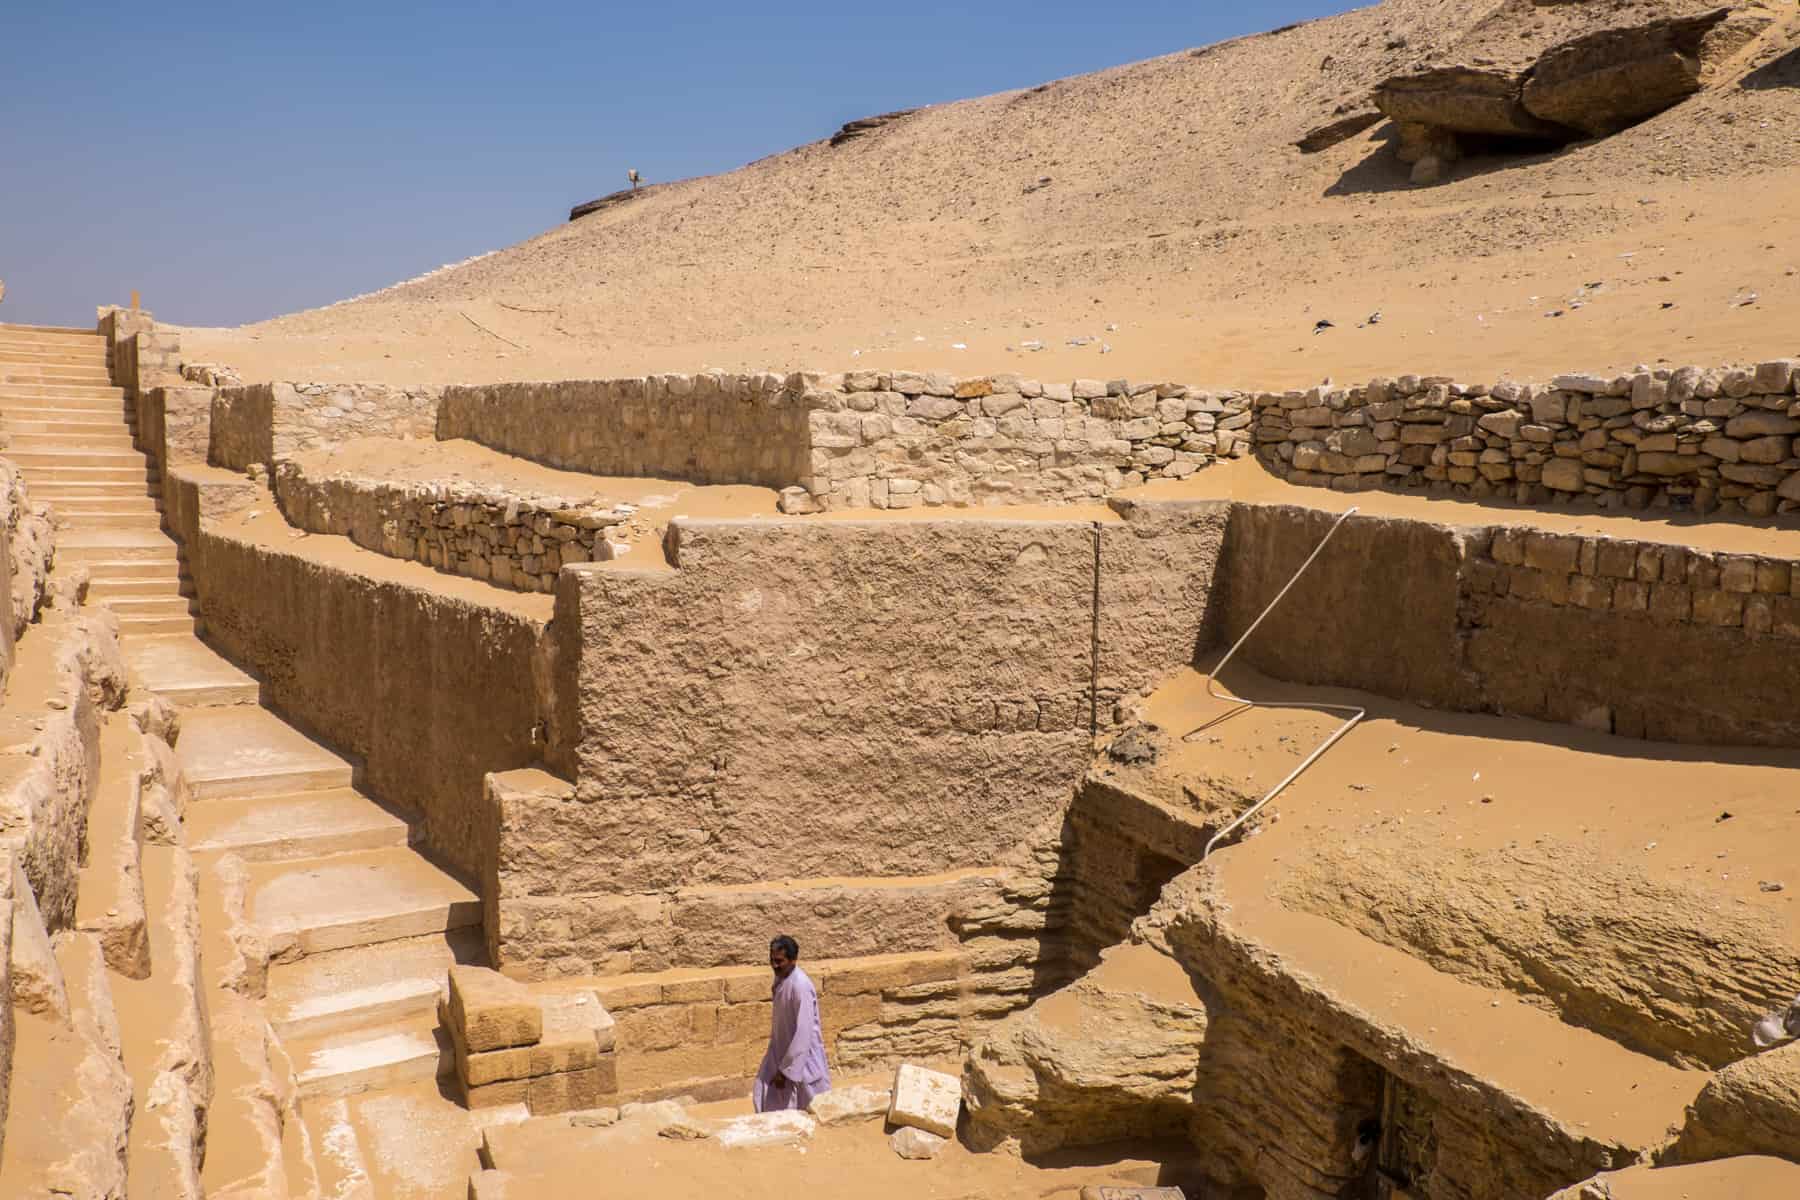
[[1137, 746], [611, 200], [1778, 1027], [916, 1143], [845, 1106], [1772, 885]]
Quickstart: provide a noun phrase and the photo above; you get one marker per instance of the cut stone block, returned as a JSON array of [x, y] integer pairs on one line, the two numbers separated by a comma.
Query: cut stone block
[[488, 1011], [37, 982], [1132, 1193], [546, 1095], [787, 1127], [925, 1099], [843, 1106], [574, 1028]]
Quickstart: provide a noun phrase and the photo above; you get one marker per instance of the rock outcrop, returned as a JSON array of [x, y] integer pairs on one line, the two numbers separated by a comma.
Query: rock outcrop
[[1115, 1054], [1589, 71], [1751, 1107], [1606, 81]]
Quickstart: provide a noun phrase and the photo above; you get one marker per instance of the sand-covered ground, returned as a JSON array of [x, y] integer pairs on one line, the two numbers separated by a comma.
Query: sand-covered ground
[[1160, 210]]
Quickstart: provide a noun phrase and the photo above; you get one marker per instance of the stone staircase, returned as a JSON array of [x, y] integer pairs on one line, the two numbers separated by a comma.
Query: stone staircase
[[362, 928], [71, 432]]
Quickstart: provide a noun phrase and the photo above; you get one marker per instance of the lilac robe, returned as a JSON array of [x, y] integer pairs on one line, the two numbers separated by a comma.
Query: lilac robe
[[796, 1048]]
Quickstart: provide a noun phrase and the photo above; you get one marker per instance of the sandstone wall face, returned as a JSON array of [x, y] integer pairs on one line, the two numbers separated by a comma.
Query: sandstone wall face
[[261, 422], [429, 691], [174, 423], [486, 533], [1532, 623], [1717, 438], [949, 665], [709, 428]]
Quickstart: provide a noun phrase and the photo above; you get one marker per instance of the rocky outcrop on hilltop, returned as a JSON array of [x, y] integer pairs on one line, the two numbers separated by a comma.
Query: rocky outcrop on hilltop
[[1589, 71]]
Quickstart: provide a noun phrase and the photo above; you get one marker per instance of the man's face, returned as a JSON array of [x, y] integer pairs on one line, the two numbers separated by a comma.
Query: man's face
[[780, 963]]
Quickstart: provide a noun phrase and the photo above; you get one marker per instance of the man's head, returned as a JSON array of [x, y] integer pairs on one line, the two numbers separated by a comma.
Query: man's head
[[784, 952]]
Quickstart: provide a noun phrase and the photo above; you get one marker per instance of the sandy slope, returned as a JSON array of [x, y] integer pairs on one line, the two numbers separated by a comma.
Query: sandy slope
[[1176, 209]]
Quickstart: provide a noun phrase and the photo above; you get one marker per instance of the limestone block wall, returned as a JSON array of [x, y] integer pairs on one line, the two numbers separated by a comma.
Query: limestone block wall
[[703, 1033], [707, 428], [174, 423], [903, 439], [259, 423], [487, 533], [428, 688], [1593, 630], [1707, 438]]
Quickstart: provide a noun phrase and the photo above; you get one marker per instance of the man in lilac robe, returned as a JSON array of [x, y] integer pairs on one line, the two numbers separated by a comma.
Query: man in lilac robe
[[793, 1069]]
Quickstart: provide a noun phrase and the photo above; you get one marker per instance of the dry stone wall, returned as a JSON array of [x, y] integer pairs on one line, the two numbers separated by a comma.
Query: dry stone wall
[[906, 439], [263, 422], [1701, 438], [487, 533]]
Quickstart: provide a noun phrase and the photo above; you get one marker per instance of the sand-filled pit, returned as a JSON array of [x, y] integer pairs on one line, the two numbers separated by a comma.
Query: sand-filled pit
[[1644, 891]]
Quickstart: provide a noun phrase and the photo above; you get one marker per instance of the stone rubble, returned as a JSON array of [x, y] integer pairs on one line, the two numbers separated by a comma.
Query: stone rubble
[[915, 1143]]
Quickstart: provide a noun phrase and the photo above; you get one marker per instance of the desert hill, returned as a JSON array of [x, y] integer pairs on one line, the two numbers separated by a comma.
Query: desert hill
[[1160, 216]]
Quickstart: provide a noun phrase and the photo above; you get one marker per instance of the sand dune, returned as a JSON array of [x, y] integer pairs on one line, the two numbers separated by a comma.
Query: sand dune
[[1161, 210]]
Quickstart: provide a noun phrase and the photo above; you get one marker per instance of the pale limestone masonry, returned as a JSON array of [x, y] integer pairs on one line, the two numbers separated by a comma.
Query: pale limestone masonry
[[1713, 439], [707, 428], [1670, 585], [862, 439], [263, 422], [517, 541], [905, 439]]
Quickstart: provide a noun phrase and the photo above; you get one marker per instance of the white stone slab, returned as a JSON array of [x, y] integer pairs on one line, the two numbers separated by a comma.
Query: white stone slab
[[925, 1099]]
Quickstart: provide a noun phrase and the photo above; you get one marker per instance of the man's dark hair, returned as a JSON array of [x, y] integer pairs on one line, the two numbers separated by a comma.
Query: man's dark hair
[[786, 945]]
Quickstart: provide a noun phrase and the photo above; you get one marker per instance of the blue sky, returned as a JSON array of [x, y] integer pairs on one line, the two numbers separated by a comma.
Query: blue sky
[[238, 161]]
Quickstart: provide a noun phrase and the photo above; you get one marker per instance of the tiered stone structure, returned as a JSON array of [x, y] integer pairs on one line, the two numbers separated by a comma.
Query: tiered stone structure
[[1709, 438], [552, 1054], [484, 532]]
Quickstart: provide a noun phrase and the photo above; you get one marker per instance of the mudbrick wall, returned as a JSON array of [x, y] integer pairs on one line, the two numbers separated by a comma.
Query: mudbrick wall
[[1706, 438], [518, 541], [1590, 630], [262, 422]]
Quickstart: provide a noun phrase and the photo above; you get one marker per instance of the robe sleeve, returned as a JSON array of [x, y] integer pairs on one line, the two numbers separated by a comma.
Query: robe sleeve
[[805, 1033]]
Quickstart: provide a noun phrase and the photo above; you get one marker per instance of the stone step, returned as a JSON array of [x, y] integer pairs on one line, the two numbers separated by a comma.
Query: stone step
[[297, 825], [54, 410], [114, 441], [56, 473], [359, 898], [110, 545], [136, 569], [252, 752], [186, 671], [366, 985], [65, 457], [57, 333], [90, 374], [364, 1060], [57, 489], [157, 626], [100, 590], [25, 352], [112, 520], [58, 425], [150, 606], [61, 393], [124, 506]]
